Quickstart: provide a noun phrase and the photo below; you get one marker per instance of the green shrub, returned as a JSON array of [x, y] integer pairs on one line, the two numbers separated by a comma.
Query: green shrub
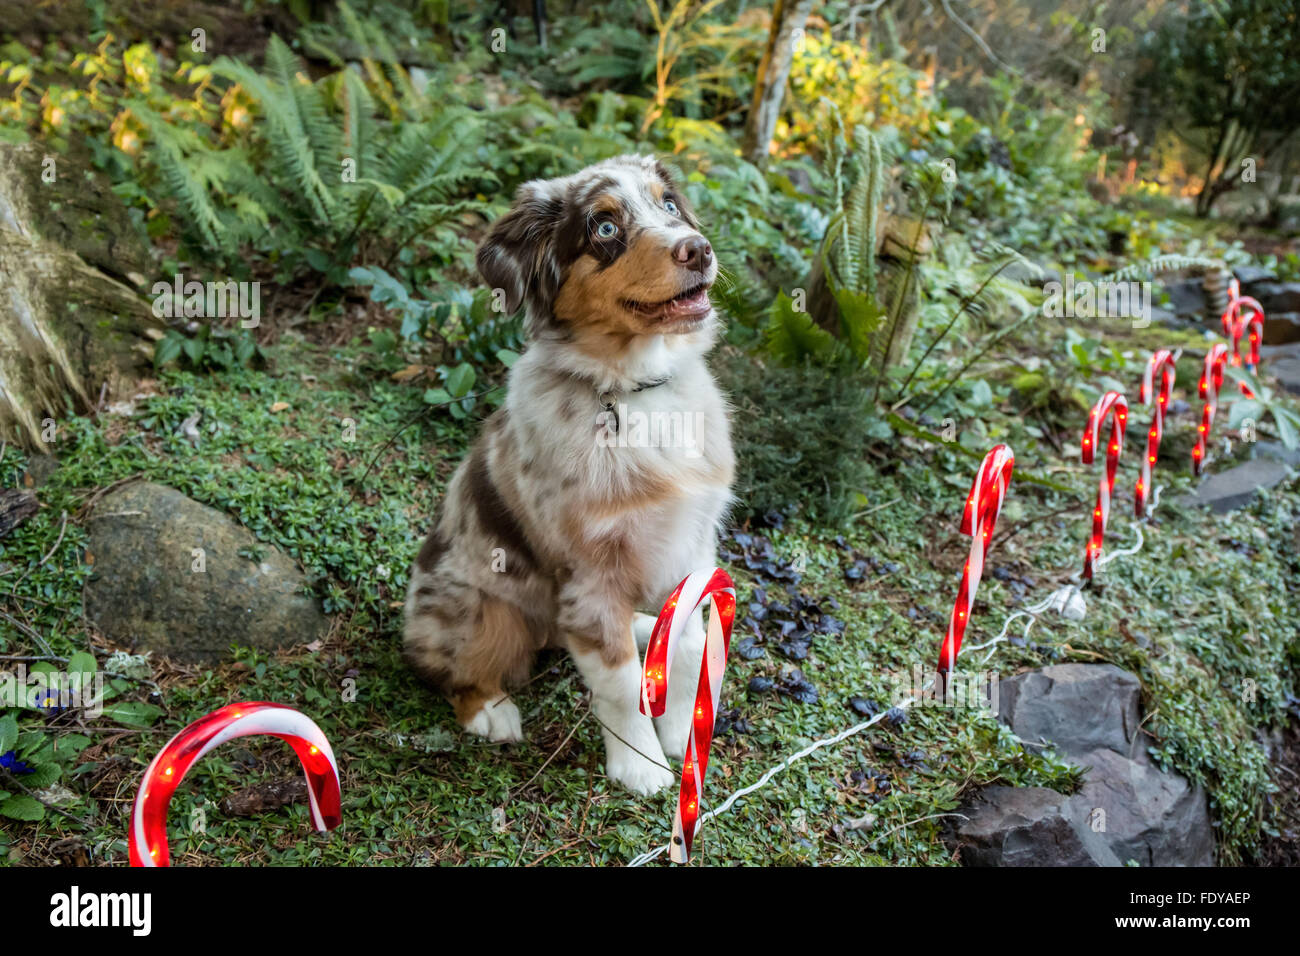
[[799, 434]]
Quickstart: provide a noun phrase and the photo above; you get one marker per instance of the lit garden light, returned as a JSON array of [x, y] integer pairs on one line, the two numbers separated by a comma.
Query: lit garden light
[[147, 841], [978, 519], [714, 584], [1112, 405], [1211, 382], [1162, 365], [1243, 318]]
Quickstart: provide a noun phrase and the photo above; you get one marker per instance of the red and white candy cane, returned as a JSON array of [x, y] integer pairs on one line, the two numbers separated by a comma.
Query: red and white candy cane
[[148, 837], [714, 584], [1161, 364], [1211, 382], [1244, 317], [1115, 406], [978, 519]]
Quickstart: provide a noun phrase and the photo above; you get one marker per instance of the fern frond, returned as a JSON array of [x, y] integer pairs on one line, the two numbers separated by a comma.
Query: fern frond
[[1159, 264]]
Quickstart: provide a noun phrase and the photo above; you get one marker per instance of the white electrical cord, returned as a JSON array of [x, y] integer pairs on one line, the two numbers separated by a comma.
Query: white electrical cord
[[1066, 601], [773, 771]]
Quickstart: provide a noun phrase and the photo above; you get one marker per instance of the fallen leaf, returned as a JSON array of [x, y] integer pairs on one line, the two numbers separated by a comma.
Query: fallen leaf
[[411, 371], [279, 406]]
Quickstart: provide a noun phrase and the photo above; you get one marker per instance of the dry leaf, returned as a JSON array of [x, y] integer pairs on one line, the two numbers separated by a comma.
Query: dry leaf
[[411, 371], [279, 406]]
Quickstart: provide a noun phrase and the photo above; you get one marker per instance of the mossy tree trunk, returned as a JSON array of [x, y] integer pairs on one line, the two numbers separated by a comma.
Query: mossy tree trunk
[[788, 16], [71, 323]]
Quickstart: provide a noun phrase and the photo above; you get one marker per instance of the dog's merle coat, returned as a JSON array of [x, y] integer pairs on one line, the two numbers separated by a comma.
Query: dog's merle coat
[[548, 535]]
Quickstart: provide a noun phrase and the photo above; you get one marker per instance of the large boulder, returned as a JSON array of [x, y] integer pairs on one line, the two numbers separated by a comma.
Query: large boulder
[[1277, 296], [1077, 707], [1091, 715], [1143, 814], [1028, 826], [72, 322], [183, 580], [1187, 297]]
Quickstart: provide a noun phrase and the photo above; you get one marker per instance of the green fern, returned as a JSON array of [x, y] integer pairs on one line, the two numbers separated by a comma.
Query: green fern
[[1158, 264]]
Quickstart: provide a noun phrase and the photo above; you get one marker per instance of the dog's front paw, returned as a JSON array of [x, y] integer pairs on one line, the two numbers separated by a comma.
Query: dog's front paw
[[634, 772], [498, 722]]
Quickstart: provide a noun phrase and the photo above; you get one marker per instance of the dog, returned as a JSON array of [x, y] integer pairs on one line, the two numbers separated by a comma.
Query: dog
[[564, 520]]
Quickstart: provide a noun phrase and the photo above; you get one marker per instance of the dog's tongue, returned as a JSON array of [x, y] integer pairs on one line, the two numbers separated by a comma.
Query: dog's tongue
[[695, 304]]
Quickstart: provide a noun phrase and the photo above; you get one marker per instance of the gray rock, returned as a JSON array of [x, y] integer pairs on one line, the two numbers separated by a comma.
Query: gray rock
[[1249, 275], [1091, 712], [1286, 370], [1078, 707], [1167, 317], [1276, 451], [1277, 296], [1028, 826], [1233, 488], [1187, 297], [1142, 813], [145, 593]]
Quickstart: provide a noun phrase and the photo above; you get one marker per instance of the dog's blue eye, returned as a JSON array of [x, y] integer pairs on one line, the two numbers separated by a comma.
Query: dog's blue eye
[[670, 206], [606, 230]]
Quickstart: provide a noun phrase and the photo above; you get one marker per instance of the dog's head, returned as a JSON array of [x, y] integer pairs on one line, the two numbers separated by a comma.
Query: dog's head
[[614, 249]]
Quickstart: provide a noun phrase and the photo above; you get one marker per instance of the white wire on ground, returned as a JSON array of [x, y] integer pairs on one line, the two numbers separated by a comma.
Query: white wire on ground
[[773, 771], [1067, 601]]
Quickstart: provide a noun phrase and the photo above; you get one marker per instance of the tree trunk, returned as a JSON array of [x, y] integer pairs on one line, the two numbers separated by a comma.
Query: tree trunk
[[67, 327], [773, 72]]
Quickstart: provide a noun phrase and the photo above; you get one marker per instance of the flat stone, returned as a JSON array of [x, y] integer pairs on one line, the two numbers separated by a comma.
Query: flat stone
[[1250, 275], [1028, 826], [1187, 297], [1287, 372], [1142, 813], [1077, 707], [1276, 451], [1167, 317], [1231, 489], [1277, 296], [147, 543]]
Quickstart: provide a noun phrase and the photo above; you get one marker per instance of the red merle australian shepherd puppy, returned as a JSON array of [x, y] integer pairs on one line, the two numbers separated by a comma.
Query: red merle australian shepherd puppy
[[556, 529]]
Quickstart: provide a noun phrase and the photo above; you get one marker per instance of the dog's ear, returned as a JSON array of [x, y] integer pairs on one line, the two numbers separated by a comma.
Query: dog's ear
[[679, 195], [518, 253]]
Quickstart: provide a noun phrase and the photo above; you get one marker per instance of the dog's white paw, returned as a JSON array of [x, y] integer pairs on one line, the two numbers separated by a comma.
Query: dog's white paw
[[498, 722], [634, 772]]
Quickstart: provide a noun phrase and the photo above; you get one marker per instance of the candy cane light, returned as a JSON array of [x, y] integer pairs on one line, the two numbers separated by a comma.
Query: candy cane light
[[1243, 318], [1112, 405], [978, 519], [1211, 382], [1161, 364], [148, 837], [715, 585]]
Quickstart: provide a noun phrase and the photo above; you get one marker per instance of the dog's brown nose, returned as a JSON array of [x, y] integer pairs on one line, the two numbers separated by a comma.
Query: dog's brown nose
[[693, 253]]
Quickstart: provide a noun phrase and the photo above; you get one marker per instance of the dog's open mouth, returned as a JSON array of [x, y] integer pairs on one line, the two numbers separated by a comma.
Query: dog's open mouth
[[690, 304]]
